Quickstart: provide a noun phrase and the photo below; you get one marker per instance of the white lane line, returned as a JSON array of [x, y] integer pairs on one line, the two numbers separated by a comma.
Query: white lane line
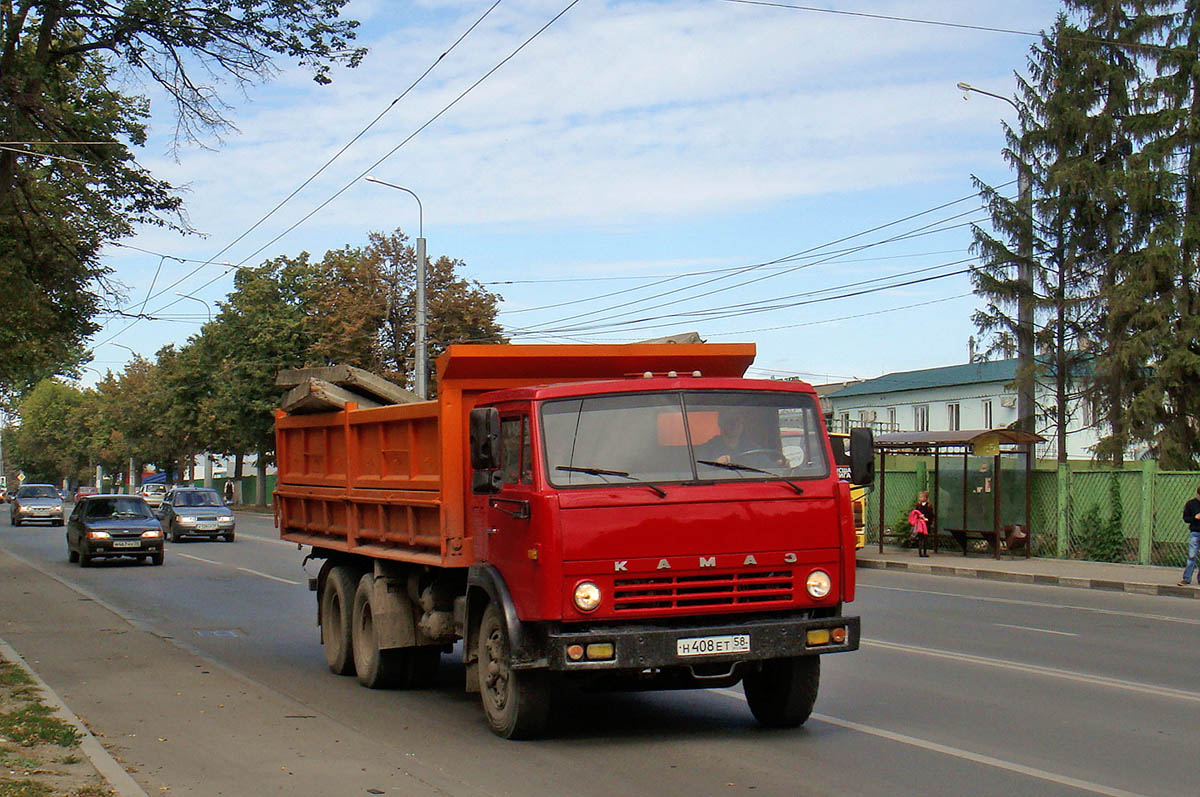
[[1031, 628], [200, 559], [243, 569], [958, 752], [1035, 669], [268, 575], [1040, 604]]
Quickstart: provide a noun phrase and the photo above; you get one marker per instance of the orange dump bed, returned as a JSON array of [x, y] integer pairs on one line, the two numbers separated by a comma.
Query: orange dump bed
[[393, 482]]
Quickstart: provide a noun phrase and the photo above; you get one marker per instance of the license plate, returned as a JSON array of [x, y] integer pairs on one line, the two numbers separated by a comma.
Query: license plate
[[206, 527], [712, 645], [127, 543]]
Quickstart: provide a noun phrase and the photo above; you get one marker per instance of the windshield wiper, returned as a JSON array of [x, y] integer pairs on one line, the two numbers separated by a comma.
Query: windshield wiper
[[620, 473], [737, 466]]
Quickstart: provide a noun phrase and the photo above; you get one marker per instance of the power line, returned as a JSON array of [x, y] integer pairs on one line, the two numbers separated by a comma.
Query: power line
[[841, 318], [887, 17], [391, 152]]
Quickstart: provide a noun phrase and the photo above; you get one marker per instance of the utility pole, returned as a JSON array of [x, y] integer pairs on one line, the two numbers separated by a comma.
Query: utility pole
[[420, 364], [1026, 408]]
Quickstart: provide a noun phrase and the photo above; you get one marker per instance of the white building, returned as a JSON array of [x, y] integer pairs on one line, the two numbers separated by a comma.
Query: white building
[[971, 396]]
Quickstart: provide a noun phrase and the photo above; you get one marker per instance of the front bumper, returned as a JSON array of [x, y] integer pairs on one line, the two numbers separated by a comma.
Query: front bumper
[[52, 515], [108, 548], [652, 646], [195, 530]]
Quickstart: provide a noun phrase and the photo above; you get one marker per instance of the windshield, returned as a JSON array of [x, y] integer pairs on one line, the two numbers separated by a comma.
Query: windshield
[[685, 436], [38, 491], [122, 507], [198, 498]]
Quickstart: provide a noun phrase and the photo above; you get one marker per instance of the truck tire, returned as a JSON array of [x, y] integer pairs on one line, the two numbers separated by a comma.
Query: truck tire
[[337, 603], [781, 692], [376, 669], [515, 702]]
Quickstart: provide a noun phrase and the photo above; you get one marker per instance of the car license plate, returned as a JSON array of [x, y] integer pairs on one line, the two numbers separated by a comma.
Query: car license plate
[[206, 527], [712, 645], [127, 543]]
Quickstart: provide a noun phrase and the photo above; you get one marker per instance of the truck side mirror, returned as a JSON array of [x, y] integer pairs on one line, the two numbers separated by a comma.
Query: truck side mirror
[[485, 438], [862, 456]]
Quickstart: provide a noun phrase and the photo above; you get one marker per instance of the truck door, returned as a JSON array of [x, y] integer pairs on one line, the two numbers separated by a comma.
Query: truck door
[[511, 543]]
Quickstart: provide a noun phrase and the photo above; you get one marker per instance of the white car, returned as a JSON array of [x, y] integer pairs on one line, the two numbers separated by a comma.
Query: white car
[[153, 494]]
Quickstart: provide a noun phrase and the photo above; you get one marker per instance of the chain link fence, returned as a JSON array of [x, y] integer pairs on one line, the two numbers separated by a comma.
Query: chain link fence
[[1132, 516]]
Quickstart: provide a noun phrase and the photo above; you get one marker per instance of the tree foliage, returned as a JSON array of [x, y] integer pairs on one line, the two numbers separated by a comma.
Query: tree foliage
[[77, 186]]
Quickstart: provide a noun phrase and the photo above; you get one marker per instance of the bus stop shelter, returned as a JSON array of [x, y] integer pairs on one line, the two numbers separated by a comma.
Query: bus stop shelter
[[981, 484]]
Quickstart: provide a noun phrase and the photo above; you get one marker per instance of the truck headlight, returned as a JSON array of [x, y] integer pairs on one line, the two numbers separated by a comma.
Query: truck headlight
[[587, 596], [818, 584]]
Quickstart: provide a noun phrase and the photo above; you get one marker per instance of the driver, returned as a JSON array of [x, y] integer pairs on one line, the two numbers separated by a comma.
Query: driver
[[736, 440]]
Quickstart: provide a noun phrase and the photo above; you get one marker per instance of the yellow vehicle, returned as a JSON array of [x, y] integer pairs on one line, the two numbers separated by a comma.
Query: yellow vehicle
[[858, 493]]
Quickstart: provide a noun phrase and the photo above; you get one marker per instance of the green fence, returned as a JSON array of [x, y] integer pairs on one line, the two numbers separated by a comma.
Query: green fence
[[1150, 512], [249, 492]]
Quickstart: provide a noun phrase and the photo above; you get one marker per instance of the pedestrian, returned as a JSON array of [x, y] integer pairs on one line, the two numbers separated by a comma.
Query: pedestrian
[[1191, 516], [921, 519], [229, 491]]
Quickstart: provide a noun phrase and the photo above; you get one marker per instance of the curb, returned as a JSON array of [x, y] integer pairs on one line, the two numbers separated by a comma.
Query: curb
[[89, 745], [1046, 579]]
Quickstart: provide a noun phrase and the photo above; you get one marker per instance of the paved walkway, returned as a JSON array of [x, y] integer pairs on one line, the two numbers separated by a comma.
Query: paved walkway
[[1142, 579]]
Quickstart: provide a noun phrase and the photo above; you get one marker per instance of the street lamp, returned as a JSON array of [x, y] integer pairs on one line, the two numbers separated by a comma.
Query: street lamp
[[1025, 398], [420, 365], [197, 299]]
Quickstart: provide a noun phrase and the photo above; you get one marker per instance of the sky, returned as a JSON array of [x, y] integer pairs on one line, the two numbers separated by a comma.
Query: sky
[[637, 169]]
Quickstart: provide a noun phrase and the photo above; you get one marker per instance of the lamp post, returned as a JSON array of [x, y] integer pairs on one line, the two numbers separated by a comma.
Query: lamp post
[[1025, 365], [420, 365], [197, 299]]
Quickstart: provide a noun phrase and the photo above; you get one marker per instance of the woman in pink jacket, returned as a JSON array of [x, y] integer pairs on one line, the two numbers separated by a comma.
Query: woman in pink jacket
[[921, 520]]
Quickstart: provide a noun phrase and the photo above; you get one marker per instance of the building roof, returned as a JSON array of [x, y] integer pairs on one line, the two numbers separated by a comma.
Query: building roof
[[946, 376], [943, 439]]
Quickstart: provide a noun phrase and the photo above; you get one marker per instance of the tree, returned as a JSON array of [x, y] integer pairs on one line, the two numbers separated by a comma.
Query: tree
[[51, 443], [1056, 146], [61, 202], [364, 303]]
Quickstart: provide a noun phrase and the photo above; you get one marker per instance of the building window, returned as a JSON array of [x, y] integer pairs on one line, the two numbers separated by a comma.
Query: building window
[[845, 423], [921, 418], [952, 417], [987, 414], [892, 420]]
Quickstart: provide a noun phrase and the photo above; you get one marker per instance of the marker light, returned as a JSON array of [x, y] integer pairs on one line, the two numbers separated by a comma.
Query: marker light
[[575, 652], [587, 596], [818, 584]]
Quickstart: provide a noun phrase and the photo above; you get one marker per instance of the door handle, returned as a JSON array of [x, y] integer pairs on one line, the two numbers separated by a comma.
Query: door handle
[[520, 510]]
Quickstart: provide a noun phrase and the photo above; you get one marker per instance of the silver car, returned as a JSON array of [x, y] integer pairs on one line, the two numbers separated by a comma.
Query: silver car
[[196, 512], [37, 502]]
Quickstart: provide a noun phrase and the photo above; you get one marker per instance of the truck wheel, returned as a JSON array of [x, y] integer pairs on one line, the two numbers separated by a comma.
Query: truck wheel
[[516, 703], [781, 692], [337, 602], [377, 669]]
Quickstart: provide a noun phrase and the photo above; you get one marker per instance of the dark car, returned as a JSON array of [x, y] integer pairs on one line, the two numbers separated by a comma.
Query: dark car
[[196, 512], [112, 526], [37, 502]]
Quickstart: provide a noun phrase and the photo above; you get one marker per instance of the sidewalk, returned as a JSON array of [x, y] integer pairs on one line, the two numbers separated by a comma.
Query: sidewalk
[[1140, 579]]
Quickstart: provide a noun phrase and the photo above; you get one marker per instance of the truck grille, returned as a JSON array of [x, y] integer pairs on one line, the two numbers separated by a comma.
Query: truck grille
[[710, 589]]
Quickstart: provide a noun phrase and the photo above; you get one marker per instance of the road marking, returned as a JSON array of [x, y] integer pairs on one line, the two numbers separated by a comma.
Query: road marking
[[243, 569], [1040, 604], [1039, 630], [200, 559], [1036, 669], [267, 575], [958, 752]]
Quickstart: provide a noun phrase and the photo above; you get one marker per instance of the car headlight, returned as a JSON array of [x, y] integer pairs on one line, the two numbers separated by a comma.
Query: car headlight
[[225, 518], [818, 584], [587, 596], [152, 534], [22, 509], [98, 535], [186, 519]]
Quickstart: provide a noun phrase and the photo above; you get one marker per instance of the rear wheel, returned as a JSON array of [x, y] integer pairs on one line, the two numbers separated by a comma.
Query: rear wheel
[[337, 601], [781, 692], [516, 703], [376, 669]]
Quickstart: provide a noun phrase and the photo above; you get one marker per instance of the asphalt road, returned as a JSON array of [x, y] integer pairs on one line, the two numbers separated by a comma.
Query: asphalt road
[[961, 686]]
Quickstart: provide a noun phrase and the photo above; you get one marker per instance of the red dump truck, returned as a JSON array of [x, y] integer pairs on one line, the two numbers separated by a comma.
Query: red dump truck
[[618, 516]]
